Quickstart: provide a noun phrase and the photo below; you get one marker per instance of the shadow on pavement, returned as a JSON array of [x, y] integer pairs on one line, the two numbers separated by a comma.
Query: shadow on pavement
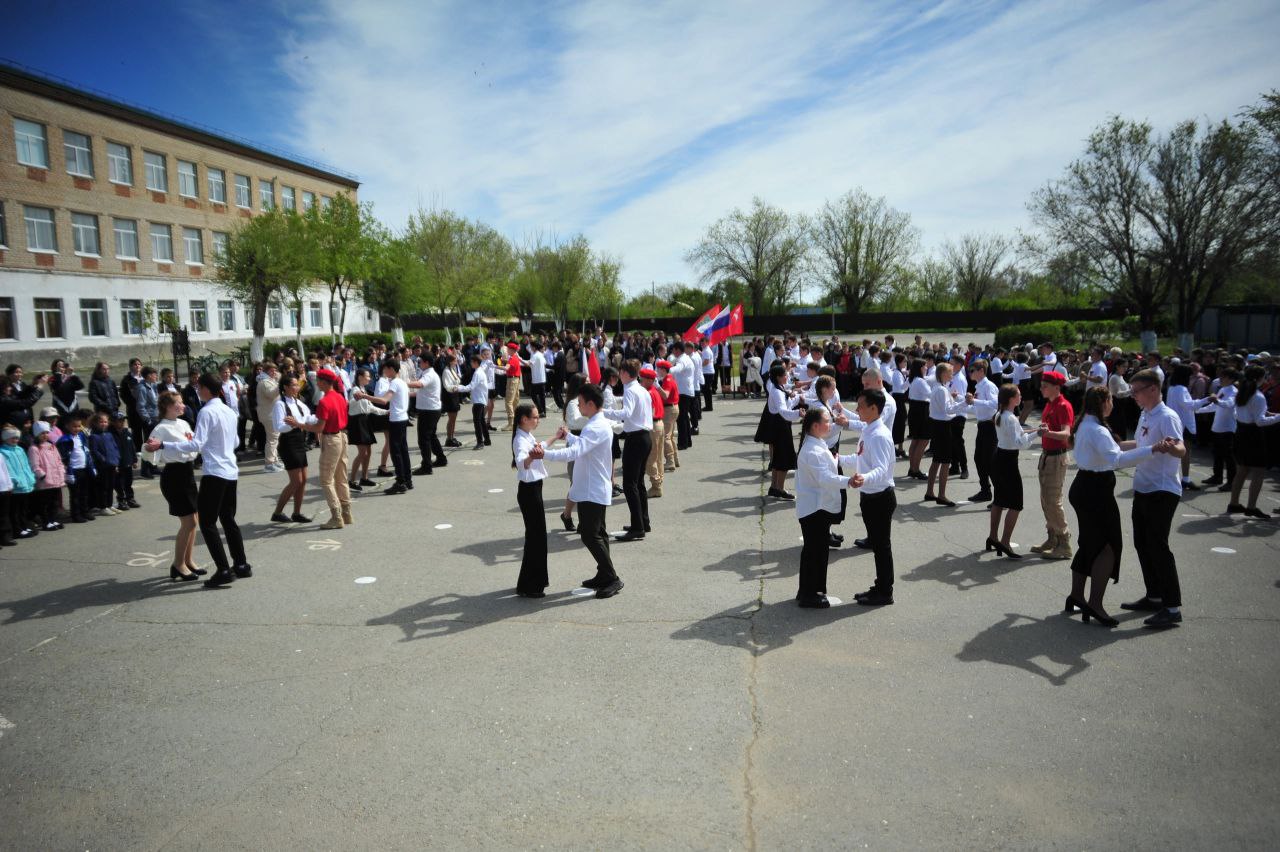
[[966, 571], [1022, 641], [511, 550], [1231, 526], [106, 592], [445, 615], [762, 628]]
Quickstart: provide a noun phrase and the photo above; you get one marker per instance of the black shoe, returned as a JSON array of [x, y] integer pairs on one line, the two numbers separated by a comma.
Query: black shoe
[[133, 504], [617, 491], [1072, 606], [630, 536], [567, 520], [918, 474], [833, 543], [440, 461], [647, 528], [1255, 512], [199, 572], [942, 501], [838, 537], [814, 602], [1224, 488], [175, 575], [299, 518], [862, 543], [25, 534], [1213, 480], [780, 494], [7, 542], [1087, 611], [354, 486], [452, 442], [122, 506], [981, 497], [396, 489], [875, 597], [487, 442], [383, 473], [279, 518], [242, 571], [220, 578], [368, 483], [596, 582], [1190, 486], [1006, 552], [422, 470], [1163, 619], [408, 485], [522, 593], [609, 590], [1234, 508], [1143, 604]]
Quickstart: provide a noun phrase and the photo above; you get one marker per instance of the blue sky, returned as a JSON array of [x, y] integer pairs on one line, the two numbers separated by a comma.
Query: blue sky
[[640, 124]]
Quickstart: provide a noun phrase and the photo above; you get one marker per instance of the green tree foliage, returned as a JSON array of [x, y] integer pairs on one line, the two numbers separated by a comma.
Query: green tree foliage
[[860, 244], [341, 239], [398, 281], [265, 257], [763, 247], [469, 265], [975, 264]]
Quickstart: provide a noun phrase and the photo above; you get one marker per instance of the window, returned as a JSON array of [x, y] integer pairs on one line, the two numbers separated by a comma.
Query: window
[[293, 317], [286, 198], [93, 317], [79, 154], [48, 318], [84, 233], [308, 201], [32, 144], [187, 179], [126, 231], [157, 177], [40, 233], [226, 315], [120, 163], [161, 243], [131, 316], [217, 186], [266, 194], [316, 316], [335, 313], [4, 236], [275, 315], [167, 314], [220, 241], [325, 201], [248, 316], [242, 191], [193, 246], [199, 315], [8, 328]]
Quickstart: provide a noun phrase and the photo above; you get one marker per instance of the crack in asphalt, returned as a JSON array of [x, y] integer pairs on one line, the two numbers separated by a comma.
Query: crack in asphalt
[[748, 769]]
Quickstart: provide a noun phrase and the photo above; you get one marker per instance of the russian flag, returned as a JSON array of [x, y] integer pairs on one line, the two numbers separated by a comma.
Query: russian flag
[[725, 324], [699, 328]]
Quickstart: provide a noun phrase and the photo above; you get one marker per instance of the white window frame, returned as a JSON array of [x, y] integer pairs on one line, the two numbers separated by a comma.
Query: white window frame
[[121, 251], [79, 229], [9, 311], [218, 187], [40, 317], [52, 223], [85, 153], [219, 245], [25, 137], [161, 311], [114, 158], [288, 198], [316, 315], [4, 227], [248, 192], [188, 180], [275, 315], [308, 200], [93, 306], [199, 311], [226, 311], [167, 234], [131, 316], [325, 201], [190, 237], [267, 201], [153, 170]]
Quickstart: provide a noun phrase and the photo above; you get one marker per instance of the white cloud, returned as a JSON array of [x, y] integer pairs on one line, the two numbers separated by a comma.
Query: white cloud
[[640, 124]]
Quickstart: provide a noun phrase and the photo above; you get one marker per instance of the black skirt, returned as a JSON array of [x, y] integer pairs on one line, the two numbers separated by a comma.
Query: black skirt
[[178, 485], [1093, 496], [1250, 447], [360, 430], [941, 440], [918, 420], [1007, 480], [764, 429], [293, 449], [784, 446], [449, 402]]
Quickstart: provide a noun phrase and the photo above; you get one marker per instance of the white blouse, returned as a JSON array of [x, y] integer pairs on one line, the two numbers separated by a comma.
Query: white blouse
[[1096, 450], [170, 431], [1183, 405], [521, 445], [818, 484], [1009, 433], [296, 408], [941, 404], [779, 404], [918, 390], [1255, 411]]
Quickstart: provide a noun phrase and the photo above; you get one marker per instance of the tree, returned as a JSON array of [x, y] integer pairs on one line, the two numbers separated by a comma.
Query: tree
[[860, 243], [264, 256], [340, 238], [763, 247], [468, 263], [601, 294], [563, 270], [929, 285], [397, 282], [974, 263]]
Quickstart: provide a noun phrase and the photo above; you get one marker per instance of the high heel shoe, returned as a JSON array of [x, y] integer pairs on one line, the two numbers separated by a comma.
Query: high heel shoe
[[1072, 606], [992, 544], [199, 572], [567, 520], [1006, 552], [1087, 611], [175, 575]]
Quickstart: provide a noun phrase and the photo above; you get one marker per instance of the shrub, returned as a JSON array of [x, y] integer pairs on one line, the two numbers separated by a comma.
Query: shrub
[[1059, 332]]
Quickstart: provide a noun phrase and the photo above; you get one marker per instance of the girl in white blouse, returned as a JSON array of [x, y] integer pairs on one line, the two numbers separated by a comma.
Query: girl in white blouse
[[1006, 479], [1250, 443], [292, 448], [818, 489], [530, 472], [574, 422], [920, 430], [1179, 399]]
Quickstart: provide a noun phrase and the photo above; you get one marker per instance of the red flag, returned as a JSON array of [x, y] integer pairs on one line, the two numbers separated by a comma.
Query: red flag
[[593, 366], [698, 329], [726, 324]]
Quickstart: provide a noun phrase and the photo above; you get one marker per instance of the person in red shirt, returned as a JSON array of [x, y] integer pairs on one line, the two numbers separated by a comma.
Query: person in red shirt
[[331, 425], [1055, 437], [512, 398], [648, 379], [666, 384]]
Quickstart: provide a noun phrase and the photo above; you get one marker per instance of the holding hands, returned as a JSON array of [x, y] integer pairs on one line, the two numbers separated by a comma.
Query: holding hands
[[856, 480], [1164, 446], [151, 445]]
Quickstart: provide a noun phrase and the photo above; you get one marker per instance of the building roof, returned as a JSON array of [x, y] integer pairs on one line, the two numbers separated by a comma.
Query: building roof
[[37, 83]]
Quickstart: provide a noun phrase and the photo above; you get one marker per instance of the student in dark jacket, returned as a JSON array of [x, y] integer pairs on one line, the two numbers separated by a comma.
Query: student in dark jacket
[[190, 399], [102, 391], [63, 384], [73, 446], [128, 459], [106, 459]]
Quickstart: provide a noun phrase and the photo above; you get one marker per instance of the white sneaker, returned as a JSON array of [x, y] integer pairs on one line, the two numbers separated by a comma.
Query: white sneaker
[[108, 511], [271, 468]]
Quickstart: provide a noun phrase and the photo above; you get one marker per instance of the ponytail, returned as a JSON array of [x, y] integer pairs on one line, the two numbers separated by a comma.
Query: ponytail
[[1249, 385]]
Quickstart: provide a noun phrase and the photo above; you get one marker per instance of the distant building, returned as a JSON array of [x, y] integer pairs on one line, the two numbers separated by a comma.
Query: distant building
[[111, 217]]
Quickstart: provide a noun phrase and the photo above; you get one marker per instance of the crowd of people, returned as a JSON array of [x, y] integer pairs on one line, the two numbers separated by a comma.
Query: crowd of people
[[632, 404]]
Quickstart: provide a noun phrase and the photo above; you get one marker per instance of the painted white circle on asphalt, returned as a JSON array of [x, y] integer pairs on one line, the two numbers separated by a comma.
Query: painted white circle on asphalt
[[364, 581], [582, 592], [444, 526], [495, 490], [833, 600], [473, 462], [1224, 550]]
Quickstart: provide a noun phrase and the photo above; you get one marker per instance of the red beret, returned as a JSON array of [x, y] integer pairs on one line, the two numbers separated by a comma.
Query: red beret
[[646, 373], [664, 364], [328, 374], [1054, 378], [513, 345]]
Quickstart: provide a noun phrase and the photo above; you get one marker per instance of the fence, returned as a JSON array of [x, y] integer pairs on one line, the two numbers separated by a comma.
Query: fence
[[1255, 327]]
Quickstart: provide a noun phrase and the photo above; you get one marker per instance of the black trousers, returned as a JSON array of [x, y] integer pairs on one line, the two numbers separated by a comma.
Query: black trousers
[[482, 425], [538, 393], [725, 372], [80, 493], [1152, 518], [984, 452], [216, 504], [398, 438], [900, 420], [124, 483], [708, 390], [533, 566], [6, 527], [428, 441], [695, 412], [958, 459], [557, 392], [815, 553], [1224, 455], [106, 483], [595, 536], [877, 513], [18, 509], [635, 455], [44, 504], [136, 427], [684, 429]]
